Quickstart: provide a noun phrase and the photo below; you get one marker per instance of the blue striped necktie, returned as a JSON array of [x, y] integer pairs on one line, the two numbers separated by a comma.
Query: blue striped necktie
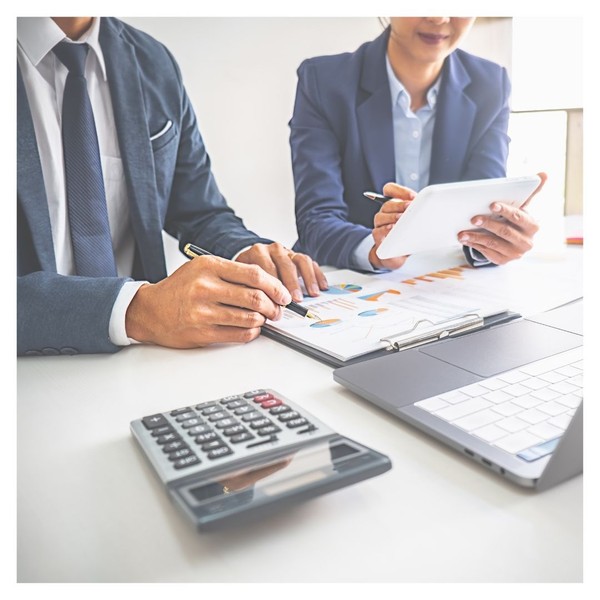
[[86, 199]]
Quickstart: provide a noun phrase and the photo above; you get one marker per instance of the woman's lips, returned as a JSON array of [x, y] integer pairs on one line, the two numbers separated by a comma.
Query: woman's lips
[[433, 38]]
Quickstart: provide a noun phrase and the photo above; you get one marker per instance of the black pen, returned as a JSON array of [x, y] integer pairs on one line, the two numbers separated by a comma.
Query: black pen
[[192, 251], [377, 197]]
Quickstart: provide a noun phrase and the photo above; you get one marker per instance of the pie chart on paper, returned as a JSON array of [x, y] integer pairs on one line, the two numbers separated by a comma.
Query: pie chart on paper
[[344, 288], [326, 323]]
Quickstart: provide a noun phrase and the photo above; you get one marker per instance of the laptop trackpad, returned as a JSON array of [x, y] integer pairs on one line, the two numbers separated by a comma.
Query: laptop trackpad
[[491, 351]]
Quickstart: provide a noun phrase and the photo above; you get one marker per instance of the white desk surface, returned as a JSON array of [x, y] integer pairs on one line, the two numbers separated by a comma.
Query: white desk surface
[[90, 508]]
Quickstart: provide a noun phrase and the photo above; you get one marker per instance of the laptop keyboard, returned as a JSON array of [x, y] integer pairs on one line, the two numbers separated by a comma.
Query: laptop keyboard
[[524, 411]]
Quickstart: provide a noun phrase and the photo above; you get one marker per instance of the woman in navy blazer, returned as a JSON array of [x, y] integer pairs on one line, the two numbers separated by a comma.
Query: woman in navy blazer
[[342, 140]]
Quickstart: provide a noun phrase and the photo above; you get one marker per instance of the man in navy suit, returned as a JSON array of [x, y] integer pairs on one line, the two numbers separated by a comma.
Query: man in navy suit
[[407, 108], [156, 176]]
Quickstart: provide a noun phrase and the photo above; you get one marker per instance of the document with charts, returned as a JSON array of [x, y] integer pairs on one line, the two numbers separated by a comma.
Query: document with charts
[[360, 313]]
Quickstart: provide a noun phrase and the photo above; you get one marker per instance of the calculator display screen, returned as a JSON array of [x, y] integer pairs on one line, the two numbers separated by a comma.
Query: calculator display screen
[[244, 489]]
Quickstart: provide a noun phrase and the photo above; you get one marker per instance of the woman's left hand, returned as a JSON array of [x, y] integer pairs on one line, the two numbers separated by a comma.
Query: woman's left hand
[[505, 235]]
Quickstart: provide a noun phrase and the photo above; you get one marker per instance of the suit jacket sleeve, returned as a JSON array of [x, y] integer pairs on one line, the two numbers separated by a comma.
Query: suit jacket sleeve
[[322, 216], [197, 211], [66, 315]]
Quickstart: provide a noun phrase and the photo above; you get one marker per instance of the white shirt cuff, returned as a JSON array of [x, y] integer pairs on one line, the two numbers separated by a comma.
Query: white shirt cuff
[[235, 256], [116, 327], [360, 255]]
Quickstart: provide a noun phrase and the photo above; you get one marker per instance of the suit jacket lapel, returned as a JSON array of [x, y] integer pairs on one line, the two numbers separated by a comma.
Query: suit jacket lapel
[[30, 183], [453, 123], [136, 150], [374, 115]]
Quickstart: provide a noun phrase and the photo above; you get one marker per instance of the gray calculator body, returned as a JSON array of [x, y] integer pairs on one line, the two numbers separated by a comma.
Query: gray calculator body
[[241, 457]]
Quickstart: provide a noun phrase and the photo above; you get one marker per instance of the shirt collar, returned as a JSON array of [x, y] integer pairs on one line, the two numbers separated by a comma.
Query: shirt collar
[[396, 87], [38, 35]]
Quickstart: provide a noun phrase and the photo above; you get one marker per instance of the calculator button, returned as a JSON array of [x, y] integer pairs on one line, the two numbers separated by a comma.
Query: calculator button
[[296, 423], [216, 443], [217, 416], [208, 408], [180, 411], [252, 416], [188, 461], [162, 430], [235, 404], [154, 421], [185, 416], [268, 430], [179, 454], [260, 423], [218, 452], [199, 429], [229, 399], [278, 410], [241, 437], [234, 429], [192, 423], [173, 446], [242, 410], [206, 437], [288, 416], [253, 393], [262, 398], [228, 422], [271, 403], [169, 437]]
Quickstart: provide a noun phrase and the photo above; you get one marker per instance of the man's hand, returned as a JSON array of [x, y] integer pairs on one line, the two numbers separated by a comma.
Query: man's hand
[[385, 219], [507, 238], [206, 301], [287, 266]]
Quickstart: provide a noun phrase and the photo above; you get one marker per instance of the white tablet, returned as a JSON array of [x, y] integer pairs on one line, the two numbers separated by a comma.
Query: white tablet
[[438, 212]]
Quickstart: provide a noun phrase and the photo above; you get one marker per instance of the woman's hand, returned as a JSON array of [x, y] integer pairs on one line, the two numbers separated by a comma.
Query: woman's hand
[[385, 219]]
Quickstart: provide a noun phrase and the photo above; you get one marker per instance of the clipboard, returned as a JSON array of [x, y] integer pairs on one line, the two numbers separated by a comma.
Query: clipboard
[[423, 332]]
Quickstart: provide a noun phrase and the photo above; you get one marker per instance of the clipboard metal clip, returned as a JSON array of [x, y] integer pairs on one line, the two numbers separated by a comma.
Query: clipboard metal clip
[[425, 331]]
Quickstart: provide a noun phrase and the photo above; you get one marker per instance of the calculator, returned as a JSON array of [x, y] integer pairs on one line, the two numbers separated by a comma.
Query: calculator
[[239, 458]]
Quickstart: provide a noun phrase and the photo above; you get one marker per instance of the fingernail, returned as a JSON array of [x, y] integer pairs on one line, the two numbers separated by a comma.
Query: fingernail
[[496, 207], [297, 296], [463, 238], [314, 289], [478, 222]]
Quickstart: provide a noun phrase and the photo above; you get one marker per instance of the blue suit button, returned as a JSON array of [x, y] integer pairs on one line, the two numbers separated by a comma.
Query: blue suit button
[[68, 351], [33, 353], [50, 351]]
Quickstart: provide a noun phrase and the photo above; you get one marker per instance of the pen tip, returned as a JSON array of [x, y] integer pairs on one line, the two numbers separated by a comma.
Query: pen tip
[[313, 316]]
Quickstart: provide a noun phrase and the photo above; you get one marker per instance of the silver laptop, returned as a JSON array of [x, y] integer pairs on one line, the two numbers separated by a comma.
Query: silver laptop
[[509, 397]]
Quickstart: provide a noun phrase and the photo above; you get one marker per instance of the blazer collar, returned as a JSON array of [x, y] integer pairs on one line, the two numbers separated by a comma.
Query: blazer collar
[[374, 113], [30, 182], [453, 122], [129, 108]]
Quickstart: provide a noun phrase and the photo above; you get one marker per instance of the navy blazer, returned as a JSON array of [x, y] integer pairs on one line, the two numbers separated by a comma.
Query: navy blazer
[[169, 185], [342, 140]]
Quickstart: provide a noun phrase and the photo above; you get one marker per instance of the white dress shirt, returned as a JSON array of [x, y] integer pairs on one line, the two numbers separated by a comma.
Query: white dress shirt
[[44, 77]]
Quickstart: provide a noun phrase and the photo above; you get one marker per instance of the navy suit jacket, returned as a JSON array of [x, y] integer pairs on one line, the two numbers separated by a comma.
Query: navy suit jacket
[[342, 140], [169, 184]]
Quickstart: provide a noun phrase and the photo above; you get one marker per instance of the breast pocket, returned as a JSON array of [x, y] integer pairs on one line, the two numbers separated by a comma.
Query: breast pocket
[[163, 136]]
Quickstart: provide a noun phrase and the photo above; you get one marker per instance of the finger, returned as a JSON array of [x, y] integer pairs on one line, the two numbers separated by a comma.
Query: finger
[[380, 233], [492, 255], [230, 315], [382, 219], [305, 267], [286, 269], [235, 335], [519, 235], [260, 255], [323, 283], [493, 244], [520, 218], [254, 277], [395, 190]]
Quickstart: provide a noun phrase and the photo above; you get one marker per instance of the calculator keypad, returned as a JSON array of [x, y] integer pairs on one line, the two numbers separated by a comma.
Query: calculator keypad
[[229, 427]]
